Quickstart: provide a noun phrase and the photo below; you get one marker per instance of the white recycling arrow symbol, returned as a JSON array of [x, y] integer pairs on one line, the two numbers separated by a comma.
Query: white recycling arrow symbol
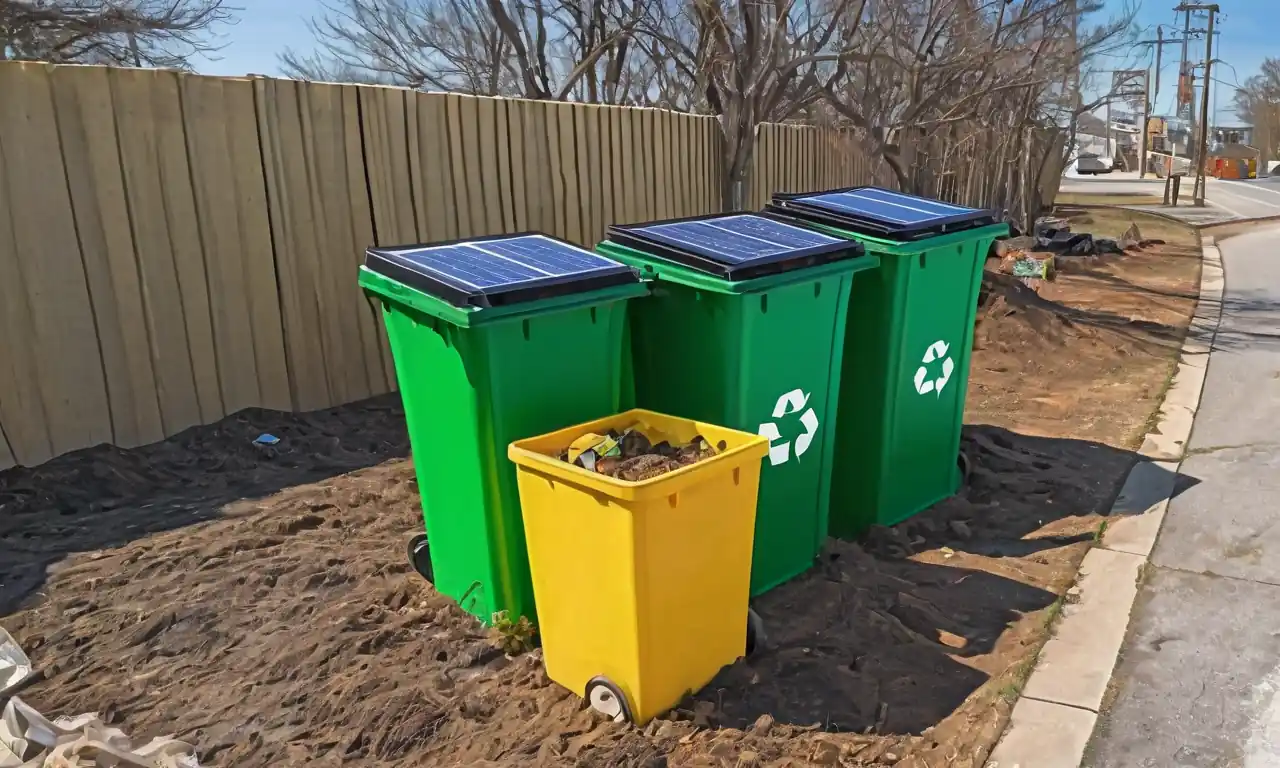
[[794, 401], [936, 351]]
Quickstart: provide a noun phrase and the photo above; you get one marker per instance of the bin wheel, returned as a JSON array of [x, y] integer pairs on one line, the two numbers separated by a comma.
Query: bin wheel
[[419, 551], [966, 467], [607, 699], [755, 632]]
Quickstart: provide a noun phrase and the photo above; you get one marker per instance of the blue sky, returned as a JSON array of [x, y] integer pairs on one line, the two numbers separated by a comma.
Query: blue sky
[[1249, 34]]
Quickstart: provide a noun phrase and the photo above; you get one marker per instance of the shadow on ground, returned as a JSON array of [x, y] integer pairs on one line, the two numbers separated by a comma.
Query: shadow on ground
[[895, 633], [105, 497]]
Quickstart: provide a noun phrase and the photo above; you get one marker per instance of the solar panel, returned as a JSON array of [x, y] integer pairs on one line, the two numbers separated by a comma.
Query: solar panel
[[735, 246], [882, 212], [490, 271]]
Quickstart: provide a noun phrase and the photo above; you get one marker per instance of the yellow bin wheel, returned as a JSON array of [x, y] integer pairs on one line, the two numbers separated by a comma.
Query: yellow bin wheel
[[607, 698]]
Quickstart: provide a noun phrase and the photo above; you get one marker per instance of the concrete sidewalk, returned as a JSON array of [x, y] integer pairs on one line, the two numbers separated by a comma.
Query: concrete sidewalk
[[1198, 679], [1227, 200]]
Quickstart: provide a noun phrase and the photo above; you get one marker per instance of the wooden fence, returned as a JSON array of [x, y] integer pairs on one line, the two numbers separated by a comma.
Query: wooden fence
[[175, 248]]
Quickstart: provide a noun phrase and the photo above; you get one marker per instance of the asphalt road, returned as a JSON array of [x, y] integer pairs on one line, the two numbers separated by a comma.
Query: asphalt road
[[1198, 681], [1246, 199]]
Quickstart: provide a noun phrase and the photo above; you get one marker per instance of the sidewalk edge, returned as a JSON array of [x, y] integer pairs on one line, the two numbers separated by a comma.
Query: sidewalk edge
[[1062, 698]]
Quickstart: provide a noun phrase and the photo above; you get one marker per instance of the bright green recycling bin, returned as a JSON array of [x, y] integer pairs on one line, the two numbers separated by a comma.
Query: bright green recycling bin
[[909, 338], [745, 328], [494, 340]]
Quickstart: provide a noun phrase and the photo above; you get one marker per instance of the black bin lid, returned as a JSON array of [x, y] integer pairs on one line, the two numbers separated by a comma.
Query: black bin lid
[[882, 212], [735, 246], [499, 270]]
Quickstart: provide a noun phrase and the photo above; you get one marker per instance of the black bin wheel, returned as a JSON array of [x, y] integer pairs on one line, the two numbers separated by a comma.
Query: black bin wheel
[[607, 698], [419, 551], [755, 632], [966, 467]]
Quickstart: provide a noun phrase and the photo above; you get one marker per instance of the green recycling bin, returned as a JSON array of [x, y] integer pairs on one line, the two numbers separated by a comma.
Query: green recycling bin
[[494, 339], [745, 328], [907, 348]]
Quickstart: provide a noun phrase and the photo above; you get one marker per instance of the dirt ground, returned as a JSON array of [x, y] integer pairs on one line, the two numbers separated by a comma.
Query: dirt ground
[[256, 601]]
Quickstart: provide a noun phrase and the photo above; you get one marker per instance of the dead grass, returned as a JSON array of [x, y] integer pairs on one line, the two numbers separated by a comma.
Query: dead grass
[[1112, 222], [1076, 198]]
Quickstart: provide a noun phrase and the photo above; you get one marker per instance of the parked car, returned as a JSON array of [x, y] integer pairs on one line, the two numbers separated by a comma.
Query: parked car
[[1089, 164]]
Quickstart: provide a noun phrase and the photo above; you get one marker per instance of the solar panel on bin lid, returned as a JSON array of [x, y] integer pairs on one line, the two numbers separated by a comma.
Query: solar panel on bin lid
[[736, 246], [886, 211], [736, 239], [502, 269]]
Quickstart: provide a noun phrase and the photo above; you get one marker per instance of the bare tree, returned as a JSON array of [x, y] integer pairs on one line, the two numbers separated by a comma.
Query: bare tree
[[749, 62], [972, 100], [161, 33], [539, 49], [1258, 104]]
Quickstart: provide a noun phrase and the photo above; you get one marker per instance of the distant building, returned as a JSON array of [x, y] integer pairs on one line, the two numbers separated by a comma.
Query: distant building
[[1227, 135]]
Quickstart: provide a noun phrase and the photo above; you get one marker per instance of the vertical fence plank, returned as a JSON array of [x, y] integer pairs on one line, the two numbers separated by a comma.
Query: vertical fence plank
[[86, 126], [434, 184], [625, 171], [204, 116], [6, 453], [604, 128], [569, 171], [22, 409], [647, 151], [294, 237], [371, 342], [661, 154], [591, 171], [469, 139], [139, 128], [540, 177], [257, 255], [506, 168], [184, 239], [555, 169], [582, 161], [59, 317], [386, 150], [485, 142], [457, 146], [516, 136]]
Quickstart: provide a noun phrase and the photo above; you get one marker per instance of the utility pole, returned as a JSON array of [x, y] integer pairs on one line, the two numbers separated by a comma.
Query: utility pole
[[1145, 138], [1186, 71], [1202, 161], [1199, 194], [1154, 95], [1111, 153]]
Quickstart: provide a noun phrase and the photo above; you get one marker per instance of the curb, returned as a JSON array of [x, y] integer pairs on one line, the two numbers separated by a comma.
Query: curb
[[1060, 702], [1251, 220], [1199, 227], [1154, 214]]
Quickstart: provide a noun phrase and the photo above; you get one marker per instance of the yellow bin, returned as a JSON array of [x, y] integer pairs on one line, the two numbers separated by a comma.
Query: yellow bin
[[641, 587]]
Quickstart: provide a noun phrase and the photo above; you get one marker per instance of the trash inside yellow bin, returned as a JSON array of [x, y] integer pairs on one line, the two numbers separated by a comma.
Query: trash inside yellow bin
[[641, 587]]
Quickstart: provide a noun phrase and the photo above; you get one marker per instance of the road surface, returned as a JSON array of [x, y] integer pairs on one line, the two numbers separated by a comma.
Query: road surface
[[1198, 681], [1227, 200]]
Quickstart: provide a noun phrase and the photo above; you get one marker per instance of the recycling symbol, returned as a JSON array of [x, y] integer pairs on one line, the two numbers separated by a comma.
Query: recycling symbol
[[936, 351], [794, 401]]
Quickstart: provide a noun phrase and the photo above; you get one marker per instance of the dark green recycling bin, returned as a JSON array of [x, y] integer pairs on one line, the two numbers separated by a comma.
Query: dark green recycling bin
[[745, 327], [494, 340], [909, 338]]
